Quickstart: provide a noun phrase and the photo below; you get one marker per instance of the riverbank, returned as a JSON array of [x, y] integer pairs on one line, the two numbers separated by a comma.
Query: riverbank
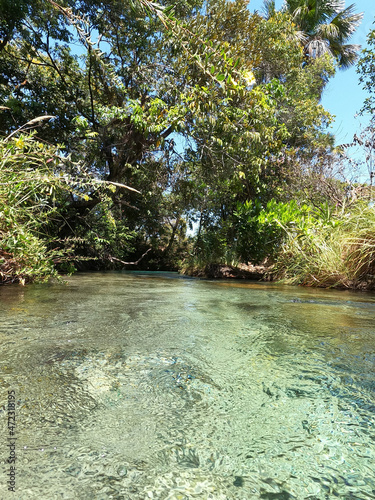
[[225, 271], [267, 273]]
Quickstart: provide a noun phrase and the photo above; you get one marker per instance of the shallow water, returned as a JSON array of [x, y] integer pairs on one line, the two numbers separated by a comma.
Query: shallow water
[[136, 386]]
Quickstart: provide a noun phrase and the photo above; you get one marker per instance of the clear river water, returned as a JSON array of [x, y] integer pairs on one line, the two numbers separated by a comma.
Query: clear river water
[[154, 386]]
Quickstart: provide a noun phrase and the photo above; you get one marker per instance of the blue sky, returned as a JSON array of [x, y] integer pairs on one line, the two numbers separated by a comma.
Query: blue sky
[[343, 96]]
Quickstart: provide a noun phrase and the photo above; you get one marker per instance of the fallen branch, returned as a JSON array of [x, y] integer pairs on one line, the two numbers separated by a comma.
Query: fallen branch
[[130, 263]]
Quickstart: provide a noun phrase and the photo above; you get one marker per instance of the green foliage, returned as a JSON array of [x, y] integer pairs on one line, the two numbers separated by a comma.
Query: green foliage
[[333, 253], [366, 70], [27, 190], [314, 246], [251, 142], [213, 247], [37, 185], [326, 27], [261, 230], [102, 237]]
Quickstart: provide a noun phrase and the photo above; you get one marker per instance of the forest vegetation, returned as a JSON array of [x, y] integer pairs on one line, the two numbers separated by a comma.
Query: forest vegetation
[[180, 135]]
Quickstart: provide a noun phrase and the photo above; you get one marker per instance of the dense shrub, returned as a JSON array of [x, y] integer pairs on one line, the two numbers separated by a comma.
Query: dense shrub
[[261, 230], [27, 198], [37, 187]]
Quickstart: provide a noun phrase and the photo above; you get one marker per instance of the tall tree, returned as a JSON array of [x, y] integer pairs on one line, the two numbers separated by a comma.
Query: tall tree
[[325, 27]]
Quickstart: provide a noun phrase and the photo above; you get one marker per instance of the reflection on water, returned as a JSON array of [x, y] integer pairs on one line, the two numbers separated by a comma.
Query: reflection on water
[[136, 386]]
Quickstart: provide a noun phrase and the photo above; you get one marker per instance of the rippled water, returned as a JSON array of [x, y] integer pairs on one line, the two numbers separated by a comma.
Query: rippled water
[[137, 386]]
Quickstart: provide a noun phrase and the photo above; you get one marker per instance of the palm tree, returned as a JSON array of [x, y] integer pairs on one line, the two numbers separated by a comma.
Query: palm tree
[[325, 27]]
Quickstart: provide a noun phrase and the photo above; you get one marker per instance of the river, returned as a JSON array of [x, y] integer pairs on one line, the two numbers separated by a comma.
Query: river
[[151, 385]]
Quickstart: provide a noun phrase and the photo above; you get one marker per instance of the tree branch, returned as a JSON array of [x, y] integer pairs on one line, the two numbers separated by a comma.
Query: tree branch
[[130, 263]]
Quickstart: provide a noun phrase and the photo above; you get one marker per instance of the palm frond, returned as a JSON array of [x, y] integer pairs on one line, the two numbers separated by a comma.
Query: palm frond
[[347, 21], [346, 55], [301, 37], [328, 31], [269, 8], [327, 26]]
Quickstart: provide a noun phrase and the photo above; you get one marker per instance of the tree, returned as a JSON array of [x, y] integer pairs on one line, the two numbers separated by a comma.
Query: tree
[[111, 108], [325, 27], [251, 145]]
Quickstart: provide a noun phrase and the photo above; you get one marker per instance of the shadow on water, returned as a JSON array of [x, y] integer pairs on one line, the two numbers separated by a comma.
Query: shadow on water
[[139, 385]]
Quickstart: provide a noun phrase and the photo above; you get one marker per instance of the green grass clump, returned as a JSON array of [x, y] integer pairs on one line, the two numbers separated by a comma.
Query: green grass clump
[[340, 253]]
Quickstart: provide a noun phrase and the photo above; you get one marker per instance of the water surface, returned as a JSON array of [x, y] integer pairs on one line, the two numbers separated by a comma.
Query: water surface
[[136, 386]]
